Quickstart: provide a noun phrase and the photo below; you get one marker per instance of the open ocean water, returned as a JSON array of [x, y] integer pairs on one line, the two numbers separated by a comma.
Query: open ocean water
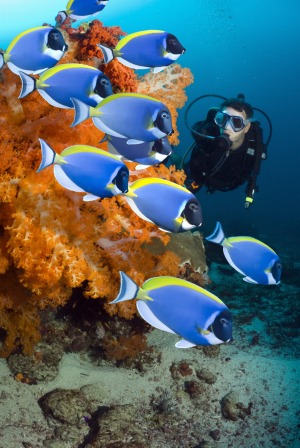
[[249, 47]]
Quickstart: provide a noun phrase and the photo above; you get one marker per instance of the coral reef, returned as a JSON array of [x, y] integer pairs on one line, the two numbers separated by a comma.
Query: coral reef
[[50, 240], [168, 86]]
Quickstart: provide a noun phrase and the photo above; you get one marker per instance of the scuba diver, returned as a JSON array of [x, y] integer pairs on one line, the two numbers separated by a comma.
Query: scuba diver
[[228, 148]]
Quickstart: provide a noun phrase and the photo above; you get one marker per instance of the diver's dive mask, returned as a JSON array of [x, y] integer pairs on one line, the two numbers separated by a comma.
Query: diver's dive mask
[[237, 123]]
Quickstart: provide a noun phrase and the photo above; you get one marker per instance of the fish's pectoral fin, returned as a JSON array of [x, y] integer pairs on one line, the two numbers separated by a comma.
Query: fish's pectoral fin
[[132, 141], [184, 344], [150, 317]]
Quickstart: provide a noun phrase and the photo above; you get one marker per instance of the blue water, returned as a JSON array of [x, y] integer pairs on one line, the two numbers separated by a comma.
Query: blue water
[[249, 47], [232, 46]]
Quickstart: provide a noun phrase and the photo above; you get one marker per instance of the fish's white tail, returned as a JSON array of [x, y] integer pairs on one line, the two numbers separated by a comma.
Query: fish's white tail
[[48, 155], [108, 54], [128, 289], [2, 62], [218, 234], [82, 111], [28, 84], [61, 17]]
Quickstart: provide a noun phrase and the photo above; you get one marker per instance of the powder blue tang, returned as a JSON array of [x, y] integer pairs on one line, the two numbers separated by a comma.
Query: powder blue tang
[[178, 306], [139, 118], [87, 169], [171, 207], [59, 84], [34, 50], [80, 9], [250, 257], [145, 49], [145, 153]]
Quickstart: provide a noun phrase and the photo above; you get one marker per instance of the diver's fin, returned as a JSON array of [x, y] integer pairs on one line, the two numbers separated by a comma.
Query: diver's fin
[[28, 84], [217, 236], [2, 62], [149, 317], [108, 54], [90, 197], [128, 289], [48, 155], [65, 181], [82, 111], [184, 344]]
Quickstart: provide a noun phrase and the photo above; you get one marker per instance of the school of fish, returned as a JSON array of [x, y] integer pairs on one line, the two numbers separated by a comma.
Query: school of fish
[[136, 128]]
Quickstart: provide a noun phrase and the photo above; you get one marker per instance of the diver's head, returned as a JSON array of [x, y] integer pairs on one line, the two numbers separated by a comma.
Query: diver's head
[[234, 118], [222, 326]]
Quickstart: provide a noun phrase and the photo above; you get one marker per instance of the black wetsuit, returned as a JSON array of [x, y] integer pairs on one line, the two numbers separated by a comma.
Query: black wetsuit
[[218, 168]]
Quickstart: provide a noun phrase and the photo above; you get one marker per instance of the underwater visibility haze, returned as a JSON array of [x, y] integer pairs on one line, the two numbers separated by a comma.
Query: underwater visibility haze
[[81, 362]]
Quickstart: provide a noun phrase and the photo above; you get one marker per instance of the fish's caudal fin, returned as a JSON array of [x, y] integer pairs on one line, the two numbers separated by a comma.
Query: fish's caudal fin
[[28, 84], [61, 17], [82, 111], [128, 289], [48, 155], [108, 54], [2, 62], [217, 236]]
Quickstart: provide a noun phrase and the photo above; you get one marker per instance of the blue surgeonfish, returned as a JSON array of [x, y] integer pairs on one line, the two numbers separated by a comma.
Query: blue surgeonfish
[[80, 9], [170, 206], [250, 257], [180, 307], [86, 169], [145, 49], [139, 118], [59, 84], [145, 153], [35, 50]]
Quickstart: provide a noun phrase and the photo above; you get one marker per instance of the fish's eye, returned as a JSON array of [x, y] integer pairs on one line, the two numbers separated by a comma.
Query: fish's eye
[[224, 321], [104, 81], [165, 115], [193, 206]]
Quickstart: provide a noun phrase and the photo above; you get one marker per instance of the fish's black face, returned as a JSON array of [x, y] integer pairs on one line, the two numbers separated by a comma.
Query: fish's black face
[[173, 45], [164, 122], [103, 86], [222, 326], [56, 41], [121, 180], [192, 212], [162, 146], [276, 271]]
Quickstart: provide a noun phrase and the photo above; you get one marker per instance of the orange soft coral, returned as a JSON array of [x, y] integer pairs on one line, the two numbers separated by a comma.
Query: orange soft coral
[[50, 240], [168, 86]]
